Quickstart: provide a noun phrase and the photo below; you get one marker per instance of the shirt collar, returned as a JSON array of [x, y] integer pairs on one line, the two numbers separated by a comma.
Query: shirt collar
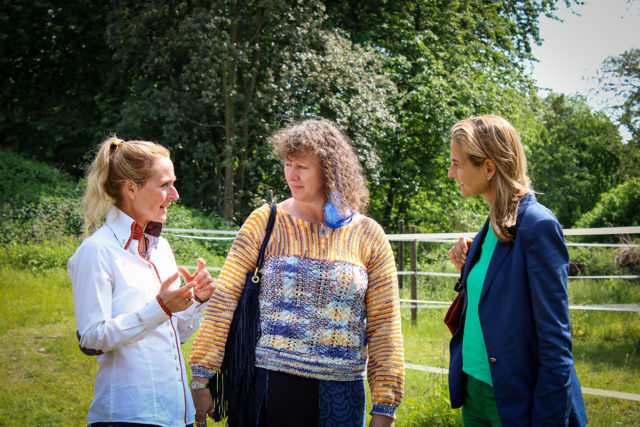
[[120, 224]]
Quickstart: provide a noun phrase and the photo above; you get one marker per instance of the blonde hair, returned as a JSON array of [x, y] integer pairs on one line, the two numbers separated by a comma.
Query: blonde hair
[[116, 162], [492, 137], [341, 169]]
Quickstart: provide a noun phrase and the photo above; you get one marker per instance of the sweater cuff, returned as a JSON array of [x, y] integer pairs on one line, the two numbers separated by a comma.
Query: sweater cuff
[[384, 409], [202, 371]]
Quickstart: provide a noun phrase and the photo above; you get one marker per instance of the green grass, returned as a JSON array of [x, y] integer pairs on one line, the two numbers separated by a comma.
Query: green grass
[[49, 382]]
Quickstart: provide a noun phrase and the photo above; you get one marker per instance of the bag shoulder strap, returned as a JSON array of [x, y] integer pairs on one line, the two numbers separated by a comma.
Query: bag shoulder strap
[[265, 241]]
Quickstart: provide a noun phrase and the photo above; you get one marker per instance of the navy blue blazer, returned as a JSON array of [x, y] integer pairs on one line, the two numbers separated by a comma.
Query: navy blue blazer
[[524, 313]]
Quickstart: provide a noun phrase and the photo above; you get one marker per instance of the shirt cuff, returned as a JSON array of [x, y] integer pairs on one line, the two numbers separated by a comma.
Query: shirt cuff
[[151, 314], [384, 409]]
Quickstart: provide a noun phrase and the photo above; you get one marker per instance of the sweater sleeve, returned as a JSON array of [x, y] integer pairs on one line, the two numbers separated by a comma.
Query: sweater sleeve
[[385, 370], [208, 347]]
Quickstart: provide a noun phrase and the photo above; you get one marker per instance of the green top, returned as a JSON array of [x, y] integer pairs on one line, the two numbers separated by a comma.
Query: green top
[[474, 351]]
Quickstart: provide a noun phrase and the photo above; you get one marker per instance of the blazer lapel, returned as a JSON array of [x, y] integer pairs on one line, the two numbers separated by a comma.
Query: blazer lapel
[[497, 259], [502, 250]]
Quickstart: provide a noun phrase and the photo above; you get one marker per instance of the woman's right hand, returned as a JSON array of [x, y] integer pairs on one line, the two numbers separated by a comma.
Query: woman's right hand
[[176, 299], [202, 401], [458, 253]]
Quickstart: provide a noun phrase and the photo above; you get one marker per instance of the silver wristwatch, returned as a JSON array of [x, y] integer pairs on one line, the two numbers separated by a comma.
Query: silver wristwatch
[[197, 385]]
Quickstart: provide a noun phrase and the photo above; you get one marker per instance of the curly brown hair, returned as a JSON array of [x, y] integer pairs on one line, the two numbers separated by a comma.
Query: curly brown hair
[[341, 168]]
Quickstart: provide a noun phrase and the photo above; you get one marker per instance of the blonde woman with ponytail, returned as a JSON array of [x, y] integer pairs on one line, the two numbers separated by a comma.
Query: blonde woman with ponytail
[[131, 311], [511, 362]]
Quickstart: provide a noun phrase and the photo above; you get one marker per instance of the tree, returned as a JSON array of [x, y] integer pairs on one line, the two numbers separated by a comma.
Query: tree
[[214, 79], [578, 158], [621, 76], [53, 60], [449, 60]]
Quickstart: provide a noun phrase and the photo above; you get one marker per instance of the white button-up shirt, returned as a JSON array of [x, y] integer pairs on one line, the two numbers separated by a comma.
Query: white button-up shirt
[[141, 376]]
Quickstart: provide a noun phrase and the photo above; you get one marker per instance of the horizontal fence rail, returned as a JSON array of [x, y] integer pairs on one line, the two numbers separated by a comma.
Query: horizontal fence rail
[[435, 237], [408, 303], [414, 238], [585, 390]]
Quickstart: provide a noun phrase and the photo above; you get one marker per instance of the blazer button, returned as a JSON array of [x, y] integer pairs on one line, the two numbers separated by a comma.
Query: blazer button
[[493, 360]]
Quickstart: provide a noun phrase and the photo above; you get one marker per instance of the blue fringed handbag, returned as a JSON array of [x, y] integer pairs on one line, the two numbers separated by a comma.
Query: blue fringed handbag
[[231, 387]]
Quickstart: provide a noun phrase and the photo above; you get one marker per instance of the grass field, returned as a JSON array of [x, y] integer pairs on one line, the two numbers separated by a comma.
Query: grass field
[[47, 381]]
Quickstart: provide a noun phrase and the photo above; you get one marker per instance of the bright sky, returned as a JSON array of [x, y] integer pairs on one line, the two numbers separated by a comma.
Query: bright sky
[[573, 50]]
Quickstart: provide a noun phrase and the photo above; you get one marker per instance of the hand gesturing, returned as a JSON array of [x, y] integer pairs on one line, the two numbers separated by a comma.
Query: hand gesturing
[[176, 299], [203, 283]]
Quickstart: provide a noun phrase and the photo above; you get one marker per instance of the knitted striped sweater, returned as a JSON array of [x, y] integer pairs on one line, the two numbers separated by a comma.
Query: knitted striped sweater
[[329, 304]]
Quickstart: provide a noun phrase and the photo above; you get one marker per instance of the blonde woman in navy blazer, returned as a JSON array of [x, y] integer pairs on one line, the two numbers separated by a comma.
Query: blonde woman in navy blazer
[[519, 298]]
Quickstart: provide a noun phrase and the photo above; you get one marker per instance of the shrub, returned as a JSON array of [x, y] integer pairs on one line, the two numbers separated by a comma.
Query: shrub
[[24, 180], [38, 202], [38, 256], [619, 207]]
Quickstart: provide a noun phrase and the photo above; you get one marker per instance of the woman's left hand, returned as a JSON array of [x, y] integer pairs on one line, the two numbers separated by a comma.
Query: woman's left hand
[[204, 283], [378, 420], [458, 252]]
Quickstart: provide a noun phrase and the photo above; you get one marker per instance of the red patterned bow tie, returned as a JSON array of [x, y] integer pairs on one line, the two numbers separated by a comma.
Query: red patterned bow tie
[[137, 233]]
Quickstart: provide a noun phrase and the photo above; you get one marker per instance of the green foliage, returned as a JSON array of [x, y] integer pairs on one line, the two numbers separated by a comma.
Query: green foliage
[[577, 159], [38, 256], [41, 209], [434, 409], [619, 207], [604, 291], [213, 80], [448, 63], [22, 179]]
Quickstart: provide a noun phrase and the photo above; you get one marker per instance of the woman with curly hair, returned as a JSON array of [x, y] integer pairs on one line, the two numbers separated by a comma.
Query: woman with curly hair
[[329, 308]]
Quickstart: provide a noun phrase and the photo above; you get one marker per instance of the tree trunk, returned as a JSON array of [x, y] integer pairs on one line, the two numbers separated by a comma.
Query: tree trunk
[[228, 87]]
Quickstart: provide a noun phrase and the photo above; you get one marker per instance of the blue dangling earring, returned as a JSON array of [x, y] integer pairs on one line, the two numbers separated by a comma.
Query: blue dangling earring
[[335, 216]]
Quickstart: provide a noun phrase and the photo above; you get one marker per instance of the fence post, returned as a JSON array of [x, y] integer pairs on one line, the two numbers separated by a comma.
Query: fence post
[[413, 256], [400, 253], [269, 196]]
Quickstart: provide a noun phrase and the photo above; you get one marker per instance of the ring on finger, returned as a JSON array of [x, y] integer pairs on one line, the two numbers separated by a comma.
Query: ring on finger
[[187, 299]]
